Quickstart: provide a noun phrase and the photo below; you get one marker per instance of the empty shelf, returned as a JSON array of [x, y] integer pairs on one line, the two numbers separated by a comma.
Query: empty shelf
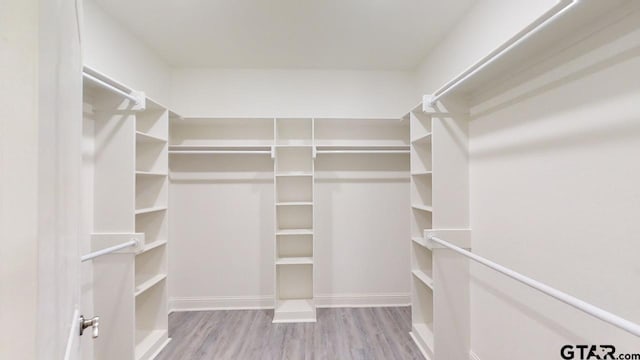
[[422, 207], [222, 149], [294, 203], [424, 278], [293, 173], [149, 283], [145, 137], [421, 173], [420, 241], [295, 232], [294, 261], [151, 173], [423, 138], [294, 145], [424, 333], [294, 310], [364, 150], [150, 210], [153, 245], [151, 343]]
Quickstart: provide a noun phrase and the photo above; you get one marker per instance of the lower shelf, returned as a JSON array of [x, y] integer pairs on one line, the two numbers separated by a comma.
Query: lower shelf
[[295, 310], [151, 344], [422, 335]]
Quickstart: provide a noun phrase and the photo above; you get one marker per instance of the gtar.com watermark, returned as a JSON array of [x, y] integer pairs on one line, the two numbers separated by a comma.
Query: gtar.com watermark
[[594, 352]]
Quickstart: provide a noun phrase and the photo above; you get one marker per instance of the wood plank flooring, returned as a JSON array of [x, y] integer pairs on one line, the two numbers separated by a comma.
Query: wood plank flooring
[[340, 333]]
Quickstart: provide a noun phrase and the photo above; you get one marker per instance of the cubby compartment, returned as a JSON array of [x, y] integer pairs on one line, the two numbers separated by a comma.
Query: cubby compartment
[[151, 191], [153, 124], [422, 264], [422, 316], [222, 132], [150, 268], [294, 217], [421, 158], [295, 246], [294, 160], [294, 132], [151, 321], [421, 191], [294, 189], [420, 221], [151, 156], [420, 123], [295, 282], [154, 225]]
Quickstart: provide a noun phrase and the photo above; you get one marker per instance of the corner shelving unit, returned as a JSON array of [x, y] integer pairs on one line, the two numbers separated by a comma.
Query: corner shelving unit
[[151, 201], [421, 219], [294, 240], [439, 205], [129, 150]]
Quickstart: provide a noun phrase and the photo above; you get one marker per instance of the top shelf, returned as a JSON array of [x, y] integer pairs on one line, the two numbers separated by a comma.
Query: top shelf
[[532, 45], [358, 149]]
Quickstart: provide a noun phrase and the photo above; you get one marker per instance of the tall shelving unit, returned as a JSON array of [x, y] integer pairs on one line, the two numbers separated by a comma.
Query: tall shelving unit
[[151, 218], [294, 216], [422, 286], [130, 195], [440, 206]]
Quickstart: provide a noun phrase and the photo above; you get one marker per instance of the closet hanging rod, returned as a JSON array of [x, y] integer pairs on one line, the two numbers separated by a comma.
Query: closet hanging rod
[[229, 152], [431, 99], [111, 87], [581, 305], [108, 250]]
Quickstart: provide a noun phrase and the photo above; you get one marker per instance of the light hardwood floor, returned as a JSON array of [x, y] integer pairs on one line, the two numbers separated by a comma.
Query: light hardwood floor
[[341, 333]]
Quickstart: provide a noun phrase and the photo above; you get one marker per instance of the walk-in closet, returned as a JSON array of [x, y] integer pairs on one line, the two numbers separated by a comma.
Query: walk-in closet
[[341, 179]]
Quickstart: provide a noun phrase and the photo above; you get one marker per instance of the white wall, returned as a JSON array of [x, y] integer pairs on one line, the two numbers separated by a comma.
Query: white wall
[[554, 195], [112, 50], [18, 178], [320, 93], [222, 232]]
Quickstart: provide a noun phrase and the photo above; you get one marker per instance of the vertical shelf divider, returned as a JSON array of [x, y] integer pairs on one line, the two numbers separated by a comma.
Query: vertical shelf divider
[[294, 270]]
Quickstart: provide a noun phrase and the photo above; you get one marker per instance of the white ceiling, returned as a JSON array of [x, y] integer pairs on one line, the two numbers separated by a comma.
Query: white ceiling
[[330, 34]]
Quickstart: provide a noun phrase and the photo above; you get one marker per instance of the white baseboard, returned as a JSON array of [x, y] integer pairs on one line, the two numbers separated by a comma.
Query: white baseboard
[[473, 356], [362, 300], [220, 303], [266, 302]]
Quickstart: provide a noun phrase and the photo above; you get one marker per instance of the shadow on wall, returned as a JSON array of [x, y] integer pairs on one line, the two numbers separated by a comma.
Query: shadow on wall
[[531, 313], [599, 41]]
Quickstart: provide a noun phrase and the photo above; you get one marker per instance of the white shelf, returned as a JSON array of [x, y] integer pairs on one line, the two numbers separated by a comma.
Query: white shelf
[[422, 139], [295, 145], [422, 173], [424, 333], [146, 138], [362, 150], [294, 203], [422, 207], [150, 210], [151, 173], [293, 174], [220, 150], [294, 310], [150, 344], [294, 261], [420, 241], [149, 283], [153, 245], [294, 232], [424, 278]]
